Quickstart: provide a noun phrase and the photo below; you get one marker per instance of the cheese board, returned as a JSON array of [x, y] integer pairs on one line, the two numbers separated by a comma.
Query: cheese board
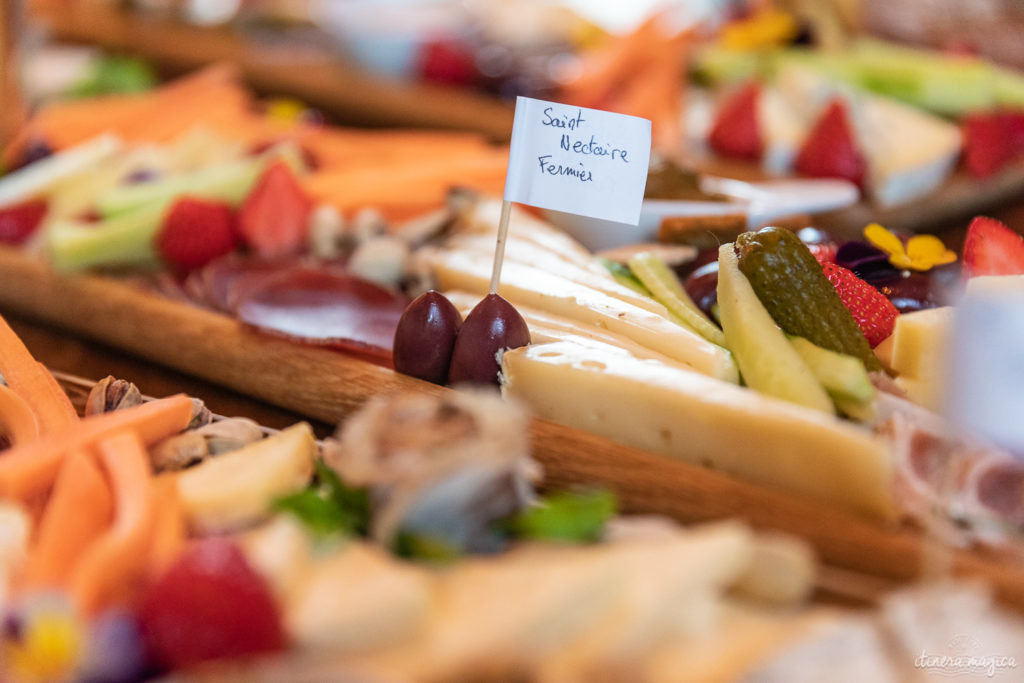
[[329, 385]]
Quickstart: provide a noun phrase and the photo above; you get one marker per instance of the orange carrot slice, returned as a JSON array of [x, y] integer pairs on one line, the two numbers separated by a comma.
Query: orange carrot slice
[[170, 533], [17, 421], [30, 469], [113, 568], [32, 382], [79, 511]]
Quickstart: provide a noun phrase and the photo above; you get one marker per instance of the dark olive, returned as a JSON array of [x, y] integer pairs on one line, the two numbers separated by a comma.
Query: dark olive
[[493, 325], [425, 337]]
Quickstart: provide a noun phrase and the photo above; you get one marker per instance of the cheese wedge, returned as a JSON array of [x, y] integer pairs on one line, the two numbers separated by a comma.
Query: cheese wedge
[[700, 420], [530, 254], [536, 288], [238, 488], [920, 342]]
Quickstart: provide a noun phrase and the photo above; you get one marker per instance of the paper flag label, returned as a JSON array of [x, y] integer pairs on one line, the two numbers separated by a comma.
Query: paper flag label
[[986, 388], [583, 161]]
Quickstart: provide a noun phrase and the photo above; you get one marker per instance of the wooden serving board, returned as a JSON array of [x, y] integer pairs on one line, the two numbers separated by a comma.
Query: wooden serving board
[[315, 75], [328, 385]]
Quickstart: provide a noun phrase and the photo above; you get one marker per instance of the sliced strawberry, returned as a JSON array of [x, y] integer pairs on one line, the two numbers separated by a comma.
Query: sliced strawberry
[[20, 221], [986, 146], [830, 151], [736, 132], [195, 232], [274, 218], [210, 604], [991, 248], [874, 313]]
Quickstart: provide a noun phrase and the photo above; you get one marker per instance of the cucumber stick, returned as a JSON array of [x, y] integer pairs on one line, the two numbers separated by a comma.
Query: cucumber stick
[[125, 240], [666, 289], [843, 376], [228, 182], [768, 362]]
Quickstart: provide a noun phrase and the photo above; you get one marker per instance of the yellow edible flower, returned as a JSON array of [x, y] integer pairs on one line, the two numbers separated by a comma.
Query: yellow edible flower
[[285, 110], [922, 252], [48, 649], [766, 28]]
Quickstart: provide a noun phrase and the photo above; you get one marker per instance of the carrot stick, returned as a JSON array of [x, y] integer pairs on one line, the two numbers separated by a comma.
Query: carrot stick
[[32, 382], [17, 421], [114, 566], [30, 469], [169, 530], [78, 512]]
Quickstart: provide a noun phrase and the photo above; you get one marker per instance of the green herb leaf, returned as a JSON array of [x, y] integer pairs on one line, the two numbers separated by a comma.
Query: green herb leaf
[[624, 276], [329, 506], [423, 547], [573, 517]]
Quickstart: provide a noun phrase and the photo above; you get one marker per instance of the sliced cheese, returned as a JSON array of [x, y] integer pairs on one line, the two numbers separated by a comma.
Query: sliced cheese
[[482, 217], [530, 254], [548, 327], [700, 420], [534, 287], [783, 128], [909, 152]]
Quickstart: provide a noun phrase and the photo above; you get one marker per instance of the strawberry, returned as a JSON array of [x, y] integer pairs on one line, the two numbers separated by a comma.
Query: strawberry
[[986, 146], [735, 132], [19, 221], [874, 313], [830, 151], [825, 252], [446, 61], [196, 231], [209, 604], [991, 248], [1013, 127], [274, 218]]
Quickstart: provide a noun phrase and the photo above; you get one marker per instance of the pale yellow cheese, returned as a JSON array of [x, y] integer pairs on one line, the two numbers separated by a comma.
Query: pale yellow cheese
[[929, 393], [483, 217], [920, 343], [698, 419], [547, 327], [529, 254], [233, 490], [995, 284], [534, 287]]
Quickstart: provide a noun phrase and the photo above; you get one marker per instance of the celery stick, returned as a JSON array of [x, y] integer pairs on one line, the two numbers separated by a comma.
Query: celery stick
[[124, 240], [666, 289]]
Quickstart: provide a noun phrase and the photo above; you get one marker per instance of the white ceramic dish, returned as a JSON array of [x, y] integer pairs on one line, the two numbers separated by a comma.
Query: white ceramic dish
[[762, 202]]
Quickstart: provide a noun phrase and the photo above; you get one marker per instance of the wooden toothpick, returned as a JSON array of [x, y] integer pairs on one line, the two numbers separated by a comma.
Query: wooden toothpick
[[499, 249]]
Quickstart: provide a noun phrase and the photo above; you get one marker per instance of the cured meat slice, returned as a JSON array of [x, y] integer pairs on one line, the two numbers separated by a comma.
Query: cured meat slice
[[323, 308]]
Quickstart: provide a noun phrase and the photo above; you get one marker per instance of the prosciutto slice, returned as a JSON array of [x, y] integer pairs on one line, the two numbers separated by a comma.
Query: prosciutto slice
[[318, 307]]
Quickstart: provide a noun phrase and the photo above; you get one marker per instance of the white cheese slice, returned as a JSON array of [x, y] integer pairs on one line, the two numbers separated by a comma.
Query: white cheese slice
[[783, 129], [534, 287], [548, 327], [909, 152], [529, 253], [700, 420], [482, 217]]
